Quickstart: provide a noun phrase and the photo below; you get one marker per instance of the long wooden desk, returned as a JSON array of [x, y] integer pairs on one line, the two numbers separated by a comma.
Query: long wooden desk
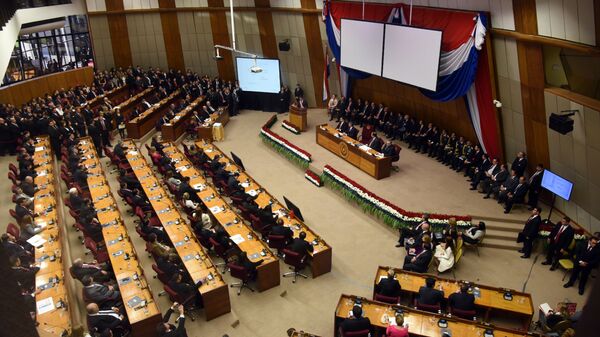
[[490, 300], [368, 160], [127, 106], [141, 309], [119, 92], [146, 121], [177, 125], [48, 257], [420, 323], [268, 272], [205, 131], [215, 294], [322, 252]]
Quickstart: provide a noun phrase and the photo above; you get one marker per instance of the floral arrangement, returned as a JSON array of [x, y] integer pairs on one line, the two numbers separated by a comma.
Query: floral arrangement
[[289, 150], [291, 128], [546, 228], [391, 214], [313, 178]]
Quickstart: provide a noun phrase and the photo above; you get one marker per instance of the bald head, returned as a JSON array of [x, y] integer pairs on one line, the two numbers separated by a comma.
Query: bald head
[[92, 308]]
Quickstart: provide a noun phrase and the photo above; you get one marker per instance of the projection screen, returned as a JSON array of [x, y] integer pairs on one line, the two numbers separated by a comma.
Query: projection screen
[[362, 45]]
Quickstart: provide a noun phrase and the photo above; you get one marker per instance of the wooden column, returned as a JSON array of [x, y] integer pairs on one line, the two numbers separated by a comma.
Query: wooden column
[[597, 21], [268, 42], [220, 33], [315, 48], [119, 34], [170, 28], [531, 71]]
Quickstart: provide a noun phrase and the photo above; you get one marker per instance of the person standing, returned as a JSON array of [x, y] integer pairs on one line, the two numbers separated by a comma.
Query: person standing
[[586, 258], [298, 92], [558, 242], [529, 232], [165, 329], [535, 186]]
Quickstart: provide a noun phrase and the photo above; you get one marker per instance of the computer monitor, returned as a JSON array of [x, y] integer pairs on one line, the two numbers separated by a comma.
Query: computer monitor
[[557, 184], [290, 205], [238, 161]]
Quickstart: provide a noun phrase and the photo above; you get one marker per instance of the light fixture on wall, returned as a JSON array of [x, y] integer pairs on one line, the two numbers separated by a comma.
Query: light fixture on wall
[[497, 103], [255, 68]]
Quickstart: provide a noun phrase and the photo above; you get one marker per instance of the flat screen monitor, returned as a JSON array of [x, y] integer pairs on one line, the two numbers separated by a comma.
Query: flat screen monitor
[[557, 184], [290, 205], [237, 161], [412, 55], [361, 44], [268, 80]]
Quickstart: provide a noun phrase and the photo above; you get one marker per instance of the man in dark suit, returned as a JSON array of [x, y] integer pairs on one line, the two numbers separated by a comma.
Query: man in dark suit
[[22, 209], [587, 257], [102, 320], [375, 142], [530, 232], [280, 229], [298, 92], [342, 126], [13, 248], [356, 322], [106, 296], [462, 300], [300, 245], [485, 174], [508, 186], [517, 196], [428, 294], [389, 149], [420, 262], [165, 329], [535, 185], [389, 286], [558, 242], [352, 131], [495, 182], [79, 270], [519, 164]]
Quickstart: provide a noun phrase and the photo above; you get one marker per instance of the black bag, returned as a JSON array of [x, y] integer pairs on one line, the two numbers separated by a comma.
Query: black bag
[[520, 237]]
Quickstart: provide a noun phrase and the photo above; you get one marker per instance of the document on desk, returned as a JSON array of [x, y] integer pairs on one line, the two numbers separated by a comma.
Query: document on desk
[[364, 148], [45, 305], [36, 241], [39, 148], [237, 239], [252, 193], [216, 209], [245, 184]]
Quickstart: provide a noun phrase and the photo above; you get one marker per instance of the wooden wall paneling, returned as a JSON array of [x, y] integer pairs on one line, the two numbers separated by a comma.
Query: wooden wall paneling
[[23, 92], [315, 49], [531, 71], [171, 35], [119, 36], [220, 33], [266, 29], [597, 21], [495, 95]]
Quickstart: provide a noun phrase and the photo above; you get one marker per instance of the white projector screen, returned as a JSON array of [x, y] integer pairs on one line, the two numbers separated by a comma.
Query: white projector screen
[[268, 80], [412, 55], [362, 45]]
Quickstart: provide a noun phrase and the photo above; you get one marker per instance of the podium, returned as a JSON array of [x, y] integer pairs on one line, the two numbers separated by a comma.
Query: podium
[[298, 117]]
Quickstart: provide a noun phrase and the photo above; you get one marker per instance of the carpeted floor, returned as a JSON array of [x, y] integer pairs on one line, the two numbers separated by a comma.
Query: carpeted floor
[[360, 243]]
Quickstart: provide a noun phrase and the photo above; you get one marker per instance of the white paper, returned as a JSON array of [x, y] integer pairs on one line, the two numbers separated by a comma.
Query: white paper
[[39, 148], [252, 193], [237, 239], [244, 184], [199, 186], [215, 209], [217, 124], [45, 305], [364, 148], [545, 307], [182, 169], [36, 241], [133, 153], [41, 174]]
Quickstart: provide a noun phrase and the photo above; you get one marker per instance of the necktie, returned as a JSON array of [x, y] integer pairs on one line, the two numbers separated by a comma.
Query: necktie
[[562, 228]]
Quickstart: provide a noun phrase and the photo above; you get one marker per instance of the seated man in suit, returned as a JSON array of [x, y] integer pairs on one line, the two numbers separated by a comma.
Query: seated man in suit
[[110, 319], [420, 262], [508, 186], [462, 300], [280, 229], [495, 183], [28, 186], [587, 257], [170, 264], [159, 249], [389, 286], [77, 202], [352, 131], [24, 275], [375, 142], [428, 294], [300, 245], [106, 296], [99, 273], [186, 290], [389, 149], [356, 322], [517, 196], [165, 329], [343, 125]]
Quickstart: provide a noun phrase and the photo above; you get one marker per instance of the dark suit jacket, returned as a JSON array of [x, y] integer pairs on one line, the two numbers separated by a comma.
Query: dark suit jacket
[[301, 246], [375, 144], [422, 261], [356, 324], [519, 166], [462, 301], [565, 238], [352, 132], [532, 227], [430, 296], [284, 231], [100, 293], [178, 331], [520, 192], [79, 273], [103, 320], [592, 257], [388, 287]]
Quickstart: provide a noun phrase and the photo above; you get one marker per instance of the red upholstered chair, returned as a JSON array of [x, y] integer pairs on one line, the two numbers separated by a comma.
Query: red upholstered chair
[[13, 169], [162, 276], [277, 242], [241, 273], [101, 255], [297, 262], [175, 297], [13, 213], [466, 314], [221, 252], [13, 230], [387, 299], [142, 234], [13, 178], [427, 307], [361, 333]]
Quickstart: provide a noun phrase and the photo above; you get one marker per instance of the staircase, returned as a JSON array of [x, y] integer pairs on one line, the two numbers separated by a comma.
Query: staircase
[[501, 233]]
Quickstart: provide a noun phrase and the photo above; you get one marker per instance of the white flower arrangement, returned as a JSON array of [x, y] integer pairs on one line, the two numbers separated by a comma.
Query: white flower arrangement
[[283, 143], [290, 127]]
